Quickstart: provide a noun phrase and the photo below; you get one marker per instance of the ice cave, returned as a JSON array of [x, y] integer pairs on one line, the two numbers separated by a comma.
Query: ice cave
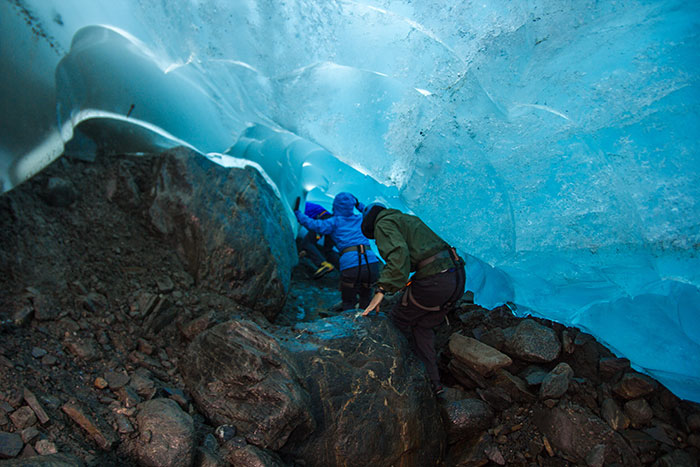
[[554, 143]]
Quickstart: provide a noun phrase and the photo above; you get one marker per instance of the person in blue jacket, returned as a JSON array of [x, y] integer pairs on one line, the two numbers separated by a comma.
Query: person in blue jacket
[[359, 266], [309, 243]]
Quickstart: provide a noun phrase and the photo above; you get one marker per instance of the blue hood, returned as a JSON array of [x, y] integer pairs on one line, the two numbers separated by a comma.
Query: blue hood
[[344, 204]]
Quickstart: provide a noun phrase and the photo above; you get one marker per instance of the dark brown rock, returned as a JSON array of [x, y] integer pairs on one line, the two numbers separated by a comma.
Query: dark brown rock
[[104, 439], [23, 417], [576, 432], [609, 367], [465, 419], [166, 435], [258, 389], [250, 456], [634, 385], [639, 412], [228, 226], [33, 402], [52, 460], [116, 379], [477, 355], [85, 349], [615, 417]]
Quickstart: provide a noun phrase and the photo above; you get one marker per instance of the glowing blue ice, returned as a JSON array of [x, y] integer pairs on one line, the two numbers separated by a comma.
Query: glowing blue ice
[[556, 146]]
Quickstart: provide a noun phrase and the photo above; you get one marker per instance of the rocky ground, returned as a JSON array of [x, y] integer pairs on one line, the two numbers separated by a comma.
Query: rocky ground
[[98, 311]]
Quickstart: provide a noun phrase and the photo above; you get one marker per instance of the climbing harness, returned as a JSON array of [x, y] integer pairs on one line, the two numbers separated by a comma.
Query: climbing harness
[[459, 288]]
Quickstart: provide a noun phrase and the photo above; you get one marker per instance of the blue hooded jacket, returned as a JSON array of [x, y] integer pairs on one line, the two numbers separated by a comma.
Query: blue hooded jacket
[[343, 227]]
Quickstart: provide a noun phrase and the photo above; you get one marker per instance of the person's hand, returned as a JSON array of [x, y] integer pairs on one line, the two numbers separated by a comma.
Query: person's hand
[[374, 303], [297, 202]]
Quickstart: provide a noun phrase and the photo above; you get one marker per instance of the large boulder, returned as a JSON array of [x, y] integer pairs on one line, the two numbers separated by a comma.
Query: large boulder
[[166, 435], [239, 375], [576, 431], [370, 396], [227, 225], [532, 342]]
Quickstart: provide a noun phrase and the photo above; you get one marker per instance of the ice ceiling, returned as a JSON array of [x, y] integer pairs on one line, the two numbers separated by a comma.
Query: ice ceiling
[[554, 142]]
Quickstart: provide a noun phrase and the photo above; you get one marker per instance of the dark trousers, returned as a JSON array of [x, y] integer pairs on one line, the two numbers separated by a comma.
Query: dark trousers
[[318, 253], [417, 323], [357, 282]]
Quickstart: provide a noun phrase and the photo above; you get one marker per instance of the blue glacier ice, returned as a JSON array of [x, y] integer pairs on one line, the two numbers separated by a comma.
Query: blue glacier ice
[[554, 143]]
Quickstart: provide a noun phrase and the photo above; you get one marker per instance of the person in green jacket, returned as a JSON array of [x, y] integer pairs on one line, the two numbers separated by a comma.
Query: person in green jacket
[[408, 245]]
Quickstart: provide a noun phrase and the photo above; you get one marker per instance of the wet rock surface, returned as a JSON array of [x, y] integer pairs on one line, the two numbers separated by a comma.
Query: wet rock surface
[[128, 336]]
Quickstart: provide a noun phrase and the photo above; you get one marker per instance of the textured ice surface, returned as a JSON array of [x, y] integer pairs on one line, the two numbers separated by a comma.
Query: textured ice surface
[[555, 143]]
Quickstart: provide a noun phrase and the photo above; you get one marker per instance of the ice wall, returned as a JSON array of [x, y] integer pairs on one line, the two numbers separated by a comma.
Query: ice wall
[[555, 143]]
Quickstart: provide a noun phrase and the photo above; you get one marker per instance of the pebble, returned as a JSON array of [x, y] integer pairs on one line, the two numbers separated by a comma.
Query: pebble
[[38, 352], [100, 383], [45, 447]]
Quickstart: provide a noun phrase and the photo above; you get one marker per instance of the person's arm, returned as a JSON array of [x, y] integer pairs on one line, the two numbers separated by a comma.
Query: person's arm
[[394, 275], [321, 226], [394, 249]]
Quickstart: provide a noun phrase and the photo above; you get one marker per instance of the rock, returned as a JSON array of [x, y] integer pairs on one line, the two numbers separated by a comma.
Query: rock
[[116, 379], [259, 389], [165, 284], [467, 377], [128, 396], [480, 357], [22, 316], [596, 458], [38, 352], [51, 460], [465, 419], [10, 445], [639, 412], [45, 447], [85, 349], [142, 384], [610, 367], [352, 367], [59, 192], [494, 338], [225, 432], [634, 385], [533, 342], [556, 383], [567, 342], [677, 458], [612, 414], [576, 432], [197, 325], [251, 456], [33, 402], [103, 438], [145, 347], [166, 435], [162, 315], [228, 226], [29, 433], [693, 422], [49, 360], [123, 423], [23, 417], [496, 397], [100, 383], [45, 308], [514, 386], [533, 375]]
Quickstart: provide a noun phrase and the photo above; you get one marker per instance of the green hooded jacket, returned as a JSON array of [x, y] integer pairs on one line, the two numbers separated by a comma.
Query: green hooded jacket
[[404, 241]]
